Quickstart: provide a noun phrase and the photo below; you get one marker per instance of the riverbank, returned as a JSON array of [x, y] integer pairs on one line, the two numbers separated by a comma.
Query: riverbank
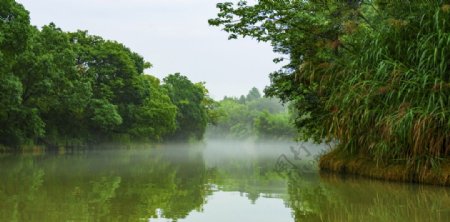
[[333, 162]]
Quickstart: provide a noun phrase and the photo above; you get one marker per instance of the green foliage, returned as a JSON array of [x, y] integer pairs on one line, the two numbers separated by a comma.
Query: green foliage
[[273, 126], [104, 115], [125, 186], [51, 82], [156, 116], [116, 73], [69, 89], [190, 98], [369, 74], [253, 116], [253, 94], [235, 119], [14, 29], [307, 31]]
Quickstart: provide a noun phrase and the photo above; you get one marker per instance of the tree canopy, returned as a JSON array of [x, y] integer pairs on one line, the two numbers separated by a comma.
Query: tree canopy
[[252, 116], [62, 88], [192, 116], [371, 74]]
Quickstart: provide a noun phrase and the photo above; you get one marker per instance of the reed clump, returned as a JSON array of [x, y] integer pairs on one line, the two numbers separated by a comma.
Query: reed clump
[[373, 76], [389, 100]]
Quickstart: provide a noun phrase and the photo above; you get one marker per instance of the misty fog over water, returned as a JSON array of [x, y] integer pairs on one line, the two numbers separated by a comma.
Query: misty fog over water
[[215, 180]]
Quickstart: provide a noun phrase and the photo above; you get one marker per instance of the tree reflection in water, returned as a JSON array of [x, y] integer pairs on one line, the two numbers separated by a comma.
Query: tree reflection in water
[[172, 182], [113, 186], [331, 197]]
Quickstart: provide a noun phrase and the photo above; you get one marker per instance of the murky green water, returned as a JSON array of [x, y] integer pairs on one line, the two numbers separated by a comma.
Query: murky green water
[[216, 181]]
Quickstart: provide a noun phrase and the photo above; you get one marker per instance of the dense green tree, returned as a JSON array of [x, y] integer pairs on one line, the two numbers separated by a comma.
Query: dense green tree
[[52, 85], [235, 119], [133, 105], [307, 32], [270, 105], [273, 126], [192, 116], [253, 94], [369, 74], [75, 89], [14, 30], [263, 118], [156, 116], [18, 125], [112, 69], [242, 99]]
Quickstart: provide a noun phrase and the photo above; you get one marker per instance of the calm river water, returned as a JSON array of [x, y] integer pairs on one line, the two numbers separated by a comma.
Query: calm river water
[[210, 182]]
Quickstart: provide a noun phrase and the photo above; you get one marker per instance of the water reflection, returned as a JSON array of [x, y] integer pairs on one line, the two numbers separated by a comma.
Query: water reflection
[[372, 200], [331, 197], [107, 186], [216, 181]]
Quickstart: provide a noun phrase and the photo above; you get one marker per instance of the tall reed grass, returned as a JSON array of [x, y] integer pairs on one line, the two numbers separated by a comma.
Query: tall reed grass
[[388, 97]]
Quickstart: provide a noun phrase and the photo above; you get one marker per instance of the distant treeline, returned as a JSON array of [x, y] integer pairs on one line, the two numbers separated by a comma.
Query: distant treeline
[[252, 116], [70, 89]]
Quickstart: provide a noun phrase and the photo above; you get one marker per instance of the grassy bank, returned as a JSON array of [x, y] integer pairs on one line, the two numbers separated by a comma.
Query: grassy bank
[[400, 171]]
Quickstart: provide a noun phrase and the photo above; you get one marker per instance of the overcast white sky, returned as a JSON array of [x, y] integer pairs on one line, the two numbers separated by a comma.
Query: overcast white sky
[[173, 35]]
